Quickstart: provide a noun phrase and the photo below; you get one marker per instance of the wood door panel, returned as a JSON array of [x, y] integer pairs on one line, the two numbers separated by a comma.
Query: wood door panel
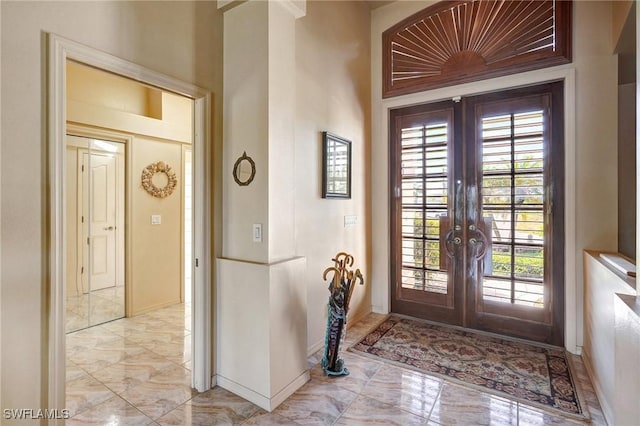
[[514, 149], [486, 254], [421, 203]]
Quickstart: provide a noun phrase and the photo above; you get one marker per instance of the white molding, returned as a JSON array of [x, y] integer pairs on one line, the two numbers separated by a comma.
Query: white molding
[[201, 298], [572, 324], [298, 8], [315, 347], [607, 411], [56, 135], [59, 51], [380, 132], [260, 400]]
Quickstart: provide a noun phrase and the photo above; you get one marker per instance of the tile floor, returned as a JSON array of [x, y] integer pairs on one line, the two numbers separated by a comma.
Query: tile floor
[[137, 371]]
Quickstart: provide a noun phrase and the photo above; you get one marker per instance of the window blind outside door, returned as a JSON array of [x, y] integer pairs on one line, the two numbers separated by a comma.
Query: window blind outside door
[[425, 189]]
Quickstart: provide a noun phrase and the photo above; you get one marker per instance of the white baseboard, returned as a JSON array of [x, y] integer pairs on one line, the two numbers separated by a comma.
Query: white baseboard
[[376, 309], [260, 400], [315, 348], [597, 387]]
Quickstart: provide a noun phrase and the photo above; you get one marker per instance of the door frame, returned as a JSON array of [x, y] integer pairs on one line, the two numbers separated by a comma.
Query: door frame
[[59, 50], [380, 292]]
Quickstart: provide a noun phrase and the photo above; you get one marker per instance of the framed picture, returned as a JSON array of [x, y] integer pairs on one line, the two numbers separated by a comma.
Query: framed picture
[[336, 166]]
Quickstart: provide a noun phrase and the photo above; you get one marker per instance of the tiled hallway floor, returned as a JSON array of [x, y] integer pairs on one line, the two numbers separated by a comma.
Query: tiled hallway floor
[[137, 371]]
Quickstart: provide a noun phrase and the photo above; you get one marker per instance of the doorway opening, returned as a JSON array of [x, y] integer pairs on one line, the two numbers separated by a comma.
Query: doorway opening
[[477, 213], [60, 52]]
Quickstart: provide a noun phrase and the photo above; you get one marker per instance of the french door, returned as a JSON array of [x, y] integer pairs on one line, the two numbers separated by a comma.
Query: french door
[[477, 212]]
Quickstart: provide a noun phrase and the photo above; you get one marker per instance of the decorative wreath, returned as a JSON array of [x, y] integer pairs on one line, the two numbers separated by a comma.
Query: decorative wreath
[[147, 179]]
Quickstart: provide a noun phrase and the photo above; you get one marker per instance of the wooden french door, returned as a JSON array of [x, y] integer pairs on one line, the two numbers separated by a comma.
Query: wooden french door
[[477, 212]]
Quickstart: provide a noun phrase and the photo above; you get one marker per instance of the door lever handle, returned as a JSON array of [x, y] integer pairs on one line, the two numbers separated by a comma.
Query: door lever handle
[[109, 228], [478, 241], [452, 240]]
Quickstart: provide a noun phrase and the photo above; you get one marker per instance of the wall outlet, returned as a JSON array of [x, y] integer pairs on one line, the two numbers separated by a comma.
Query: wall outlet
[[156, 219], [257, 232], [350, 220]]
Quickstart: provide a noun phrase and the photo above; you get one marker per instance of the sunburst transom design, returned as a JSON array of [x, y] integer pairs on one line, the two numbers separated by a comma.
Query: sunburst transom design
[[460, 41]]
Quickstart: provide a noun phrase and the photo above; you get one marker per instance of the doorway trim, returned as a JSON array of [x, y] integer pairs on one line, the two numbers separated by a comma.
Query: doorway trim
[[59, 51]]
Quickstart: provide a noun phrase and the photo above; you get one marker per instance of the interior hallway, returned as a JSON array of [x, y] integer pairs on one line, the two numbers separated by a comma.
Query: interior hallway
[[136, 371]]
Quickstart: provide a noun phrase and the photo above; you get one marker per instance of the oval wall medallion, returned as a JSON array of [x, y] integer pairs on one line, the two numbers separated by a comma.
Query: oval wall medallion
[[244, 170]]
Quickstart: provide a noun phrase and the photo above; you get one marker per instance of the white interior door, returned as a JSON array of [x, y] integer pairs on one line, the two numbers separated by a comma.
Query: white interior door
[[99, 212]]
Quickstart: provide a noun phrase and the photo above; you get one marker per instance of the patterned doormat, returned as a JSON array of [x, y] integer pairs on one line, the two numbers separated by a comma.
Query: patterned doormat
[[535, 375]]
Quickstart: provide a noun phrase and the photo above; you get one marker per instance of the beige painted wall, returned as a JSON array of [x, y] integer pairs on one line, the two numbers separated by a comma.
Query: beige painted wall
[[155, 267], [136, 31], [95, 87], [333, 93], [599, 351], [246, 129], [620, 12], [100, 99], [594, 122], [156, 250], [117, 103]]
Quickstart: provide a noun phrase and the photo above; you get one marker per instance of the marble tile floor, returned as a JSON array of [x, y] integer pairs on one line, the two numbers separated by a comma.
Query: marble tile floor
[[136, 372]]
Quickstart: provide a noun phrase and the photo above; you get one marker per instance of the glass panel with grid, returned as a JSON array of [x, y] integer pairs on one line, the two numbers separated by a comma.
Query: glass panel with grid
[[424, 193], [513, 198]]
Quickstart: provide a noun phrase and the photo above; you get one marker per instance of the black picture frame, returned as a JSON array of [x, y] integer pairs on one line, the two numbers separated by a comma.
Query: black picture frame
[[336, 166]]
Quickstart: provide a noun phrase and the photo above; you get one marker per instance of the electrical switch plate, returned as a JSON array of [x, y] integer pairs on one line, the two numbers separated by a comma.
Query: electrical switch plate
[[257, 232], [156, 219], [350, 220]]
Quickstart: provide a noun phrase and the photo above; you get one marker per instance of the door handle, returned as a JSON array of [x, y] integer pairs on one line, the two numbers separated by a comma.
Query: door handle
[[452, 237], [478, 241], [452, 240], [109, 228]]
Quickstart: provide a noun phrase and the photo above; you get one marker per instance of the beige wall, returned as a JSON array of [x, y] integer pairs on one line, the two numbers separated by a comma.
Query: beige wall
[[100, 99], [246, 127], [113, 102], [156, 250], [591, 118], [620, 12], [135, 31], [333, 92], [602, 287]]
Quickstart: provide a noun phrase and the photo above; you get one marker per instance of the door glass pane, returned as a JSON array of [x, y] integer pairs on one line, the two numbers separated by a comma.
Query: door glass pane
[[513, 204], [424, 193]]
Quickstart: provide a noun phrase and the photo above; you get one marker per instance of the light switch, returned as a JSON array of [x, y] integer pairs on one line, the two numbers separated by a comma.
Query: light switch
[[350, 220], [156, 219], [257, 232]]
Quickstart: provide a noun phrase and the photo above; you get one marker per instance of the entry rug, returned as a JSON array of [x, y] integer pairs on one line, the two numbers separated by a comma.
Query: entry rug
[[535, 375]]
